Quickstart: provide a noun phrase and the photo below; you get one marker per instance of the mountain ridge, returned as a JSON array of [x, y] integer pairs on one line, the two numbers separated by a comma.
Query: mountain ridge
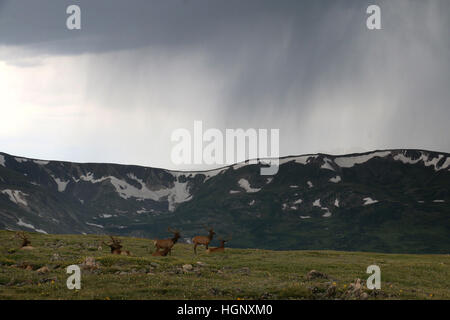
[[226, 166], [312, 196]]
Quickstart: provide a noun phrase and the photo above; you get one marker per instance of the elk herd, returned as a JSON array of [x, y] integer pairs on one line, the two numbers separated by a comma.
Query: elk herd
[[163, 246]]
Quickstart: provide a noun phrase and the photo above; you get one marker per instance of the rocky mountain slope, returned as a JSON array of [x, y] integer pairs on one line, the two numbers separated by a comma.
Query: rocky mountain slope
[[387, 201]]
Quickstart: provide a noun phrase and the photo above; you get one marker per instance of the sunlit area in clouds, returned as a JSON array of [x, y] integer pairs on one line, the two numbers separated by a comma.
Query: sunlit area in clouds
[[114, 92]]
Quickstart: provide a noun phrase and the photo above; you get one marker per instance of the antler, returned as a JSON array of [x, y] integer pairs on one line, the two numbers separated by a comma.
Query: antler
[[115, 241], [173, 230], [21, 235]]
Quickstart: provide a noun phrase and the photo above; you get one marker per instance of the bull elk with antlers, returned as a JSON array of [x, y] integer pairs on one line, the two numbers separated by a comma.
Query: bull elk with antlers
[[221, 248], [116, 247], [167, 243], [203, 240], [26, 243]]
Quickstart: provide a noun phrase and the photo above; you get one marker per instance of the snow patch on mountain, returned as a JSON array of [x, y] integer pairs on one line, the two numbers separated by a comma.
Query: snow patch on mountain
[[234, 191], [177, 194], [446, 164], [213, 173], [20, 160], [336, 202], [89, 177], [438, 201], [327, 213], [208, 174], [16, 196], [305, 217], [369, 200], [94, 225], [305, 159], [61, 183], [310, 184], [30, 226], [426, 159], [316, 203], [335, 179], [2, 160], [350, 161], [244, 184], [41, 162], [327, 164]]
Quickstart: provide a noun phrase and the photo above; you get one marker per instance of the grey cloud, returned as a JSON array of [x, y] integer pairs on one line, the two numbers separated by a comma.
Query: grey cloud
[[310, 68]]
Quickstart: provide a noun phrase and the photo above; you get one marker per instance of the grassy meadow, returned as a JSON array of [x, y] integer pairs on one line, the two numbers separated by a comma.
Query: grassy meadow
[[234, 274]]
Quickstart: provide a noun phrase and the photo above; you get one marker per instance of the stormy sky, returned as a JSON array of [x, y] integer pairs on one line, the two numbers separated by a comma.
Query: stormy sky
[[115, 90]]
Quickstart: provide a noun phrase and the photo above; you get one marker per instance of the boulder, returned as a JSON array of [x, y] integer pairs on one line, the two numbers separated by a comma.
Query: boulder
[[314, 274], [187, 267], [90, 264], [43, 270]]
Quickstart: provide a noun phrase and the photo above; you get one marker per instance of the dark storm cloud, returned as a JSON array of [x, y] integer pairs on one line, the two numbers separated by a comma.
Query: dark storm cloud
[[310, 68], [115, 24]]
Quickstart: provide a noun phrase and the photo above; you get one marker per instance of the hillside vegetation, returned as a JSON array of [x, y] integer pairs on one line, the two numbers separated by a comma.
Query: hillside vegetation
[[236, 274]]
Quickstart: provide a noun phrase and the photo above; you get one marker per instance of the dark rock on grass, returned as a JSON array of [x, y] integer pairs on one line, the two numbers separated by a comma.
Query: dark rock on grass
[[23, 265], [44, 280], [357, 290], [55, 257], [43, 270], [314, 274], [90, 264], [266, 296], [187, 267], [243, 271], [331, 291], [215, 291]]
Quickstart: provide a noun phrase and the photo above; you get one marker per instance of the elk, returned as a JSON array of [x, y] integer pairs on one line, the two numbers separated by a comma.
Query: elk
[[162, 253], [26, 243], [116, 247], [203, 240], [167, 243], [219, 249]]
